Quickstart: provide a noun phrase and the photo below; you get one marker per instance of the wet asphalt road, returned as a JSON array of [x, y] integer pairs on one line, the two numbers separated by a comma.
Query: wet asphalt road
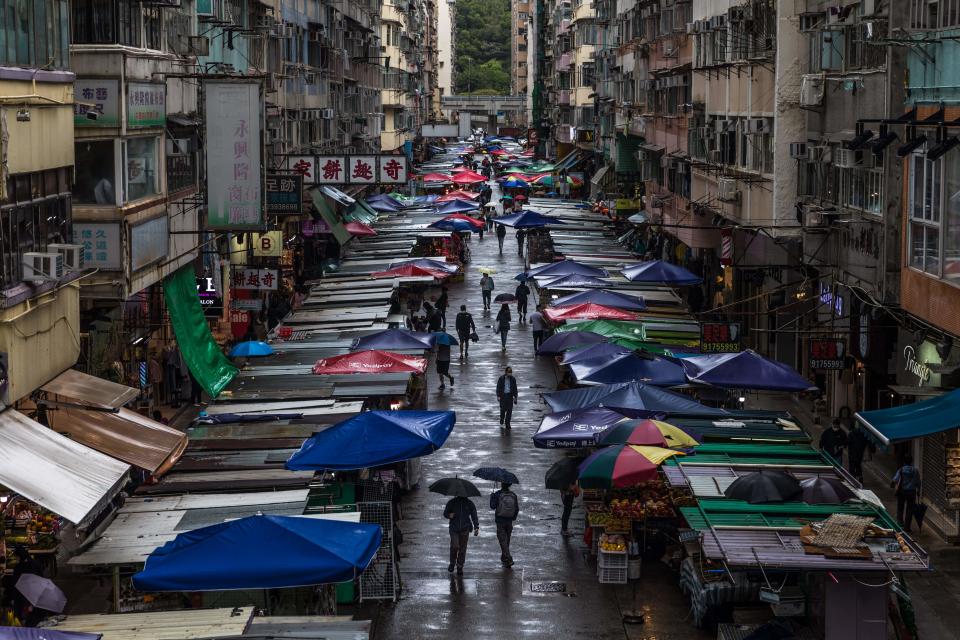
[[490, 601]]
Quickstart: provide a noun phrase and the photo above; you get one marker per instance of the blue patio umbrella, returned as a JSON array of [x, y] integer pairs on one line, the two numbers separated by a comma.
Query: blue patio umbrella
[[575, 428], [527, 219], [427, 199], [261, 552], [660, 272], [453, 225], [251, 349], [594, 351], [572, 281], [457, 206], [634, 399], [374, 438], [567, 268], [560, 342], [515, 183], [604, 297], [630, 366], [384, 206], [442, 337], [393, 339], [745, 370], [427, 263]]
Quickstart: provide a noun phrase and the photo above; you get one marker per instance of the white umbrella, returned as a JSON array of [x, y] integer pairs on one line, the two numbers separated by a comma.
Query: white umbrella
[[41, 593]]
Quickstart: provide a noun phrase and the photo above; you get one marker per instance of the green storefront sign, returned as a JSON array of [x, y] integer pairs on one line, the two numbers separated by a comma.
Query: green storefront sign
[[146, 105]]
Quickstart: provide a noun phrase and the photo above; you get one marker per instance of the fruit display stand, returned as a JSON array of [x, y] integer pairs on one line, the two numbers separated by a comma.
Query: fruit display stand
[[31, 526], [612, 561]]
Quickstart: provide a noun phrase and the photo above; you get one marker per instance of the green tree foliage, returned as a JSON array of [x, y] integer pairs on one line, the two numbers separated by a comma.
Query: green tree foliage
[[482, 47]]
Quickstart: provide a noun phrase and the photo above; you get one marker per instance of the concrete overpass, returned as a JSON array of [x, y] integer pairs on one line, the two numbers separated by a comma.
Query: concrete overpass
[[484, 104]]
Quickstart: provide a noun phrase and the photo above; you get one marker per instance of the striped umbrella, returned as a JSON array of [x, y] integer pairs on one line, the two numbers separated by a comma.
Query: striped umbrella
[[646, 432], [622, 466]]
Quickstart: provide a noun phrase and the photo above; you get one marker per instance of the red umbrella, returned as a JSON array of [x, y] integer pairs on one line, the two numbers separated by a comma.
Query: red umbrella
[[468, 177], [370, 362], [587, 311], [436, 177], [499, 152], [359, 229], [410, 270], [459, 216], [459, 193]]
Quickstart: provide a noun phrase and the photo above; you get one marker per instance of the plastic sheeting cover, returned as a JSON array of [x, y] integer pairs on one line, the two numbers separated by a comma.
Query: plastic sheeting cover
[[204, 358]]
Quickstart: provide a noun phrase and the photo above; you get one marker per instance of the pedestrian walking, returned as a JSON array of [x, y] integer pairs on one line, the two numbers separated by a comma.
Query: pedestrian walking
[[906, 482], [435, 320], [834, 440], [503, 324], [501, 234], [539, 327], [486, 288], [466, 329], [522, 292], [443, 363], [857, 445], [567, 496], [483, 219], [506, 508], [521, 234], [442, 303], [507, 396], [462, 514]]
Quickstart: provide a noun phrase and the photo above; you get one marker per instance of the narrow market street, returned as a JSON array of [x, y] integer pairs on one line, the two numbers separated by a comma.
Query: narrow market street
[[490, 601]]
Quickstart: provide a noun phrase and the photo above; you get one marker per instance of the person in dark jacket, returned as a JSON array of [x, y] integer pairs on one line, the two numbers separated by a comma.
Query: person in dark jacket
[[522, 293], [506, 508], [442, 303], [857, 445], [503, 324], [521, 234], [465, 327], [567, 496], [507, 396], [501, 234], [462, 515], [834, 440], [435, 320], [906, 482]]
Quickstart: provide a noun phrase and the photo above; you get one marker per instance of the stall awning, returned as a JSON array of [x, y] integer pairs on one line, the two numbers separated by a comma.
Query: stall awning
[[916, 420], [337, 228], [125, 435], [80, 386], [338, 195], [55, 472]]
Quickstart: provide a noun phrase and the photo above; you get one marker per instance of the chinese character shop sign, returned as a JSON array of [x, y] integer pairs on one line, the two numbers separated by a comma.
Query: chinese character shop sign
[[101, 244], [827, 354], [371, 169], [99, 96], [234, 173], [284, 194], [146, 104], [256, 279], [720, 337]]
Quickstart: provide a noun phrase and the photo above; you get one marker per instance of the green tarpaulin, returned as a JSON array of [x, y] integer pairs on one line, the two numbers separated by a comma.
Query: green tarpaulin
[[333, 221], [204, 358]]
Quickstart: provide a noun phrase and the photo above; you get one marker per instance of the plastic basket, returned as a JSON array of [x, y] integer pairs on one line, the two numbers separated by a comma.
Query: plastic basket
[[609, 575], [613, 559]]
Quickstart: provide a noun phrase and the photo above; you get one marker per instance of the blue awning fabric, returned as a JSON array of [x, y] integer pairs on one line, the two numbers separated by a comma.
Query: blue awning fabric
[[916, 420]]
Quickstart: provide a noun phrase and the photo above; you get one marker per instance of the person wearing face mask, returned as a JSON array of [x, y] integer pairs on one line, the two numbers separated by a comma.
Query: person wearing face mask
[[834, 440]]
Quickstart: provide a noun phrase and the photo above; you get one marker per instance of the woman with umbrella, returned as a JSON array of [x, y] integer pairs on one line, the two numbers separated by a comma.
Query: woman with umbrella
[[503, 324], [461, 514]]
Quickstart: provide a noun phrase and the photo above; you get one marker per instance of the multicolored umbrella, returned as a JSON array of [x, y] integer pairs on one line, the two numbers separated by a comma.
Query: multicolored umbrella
[[622, 466], [410, 271], [515, 183], [587, 311], [646, 432], [359, 229], [373, 361]]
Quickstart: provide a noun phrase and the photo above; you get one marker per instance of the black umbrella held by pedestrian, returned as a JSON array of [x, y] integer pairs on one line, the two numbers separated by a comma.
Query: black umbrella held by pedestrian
[[825, 491], [505, 298], [496, 474], [563, 473], [764, 486], [455, 487]]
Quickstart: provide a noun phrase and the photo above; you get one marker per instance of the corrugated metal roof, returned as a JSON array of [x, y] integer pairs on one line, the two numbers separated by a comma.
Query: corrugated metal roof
[[83, 387], [165, 625]]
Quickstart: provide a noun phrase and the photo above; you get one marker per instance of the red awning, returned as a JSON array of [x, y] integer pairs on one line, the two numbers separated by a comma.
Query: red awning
[[587, 311], [436, 177], [409, 270], [468, 177], [370, 362], [359, 229], [459, 194]]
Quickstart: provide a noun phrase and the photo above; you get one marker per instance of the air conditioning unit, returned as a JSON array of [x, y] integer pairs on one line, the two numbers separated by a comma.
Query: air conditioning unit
[[814, 217], [853, 158], [327, 114], [813, 21], [722, 125], [727, 190], [811, 90], [798, 151], [42, 267], [758, 125], [691, 27], [718, 22], [72, 255]]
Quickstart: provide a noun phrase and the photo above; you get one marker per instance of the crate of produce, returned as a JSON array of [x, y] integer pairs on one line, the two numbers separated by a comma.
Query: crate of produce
[[609, 575], [612, 559]]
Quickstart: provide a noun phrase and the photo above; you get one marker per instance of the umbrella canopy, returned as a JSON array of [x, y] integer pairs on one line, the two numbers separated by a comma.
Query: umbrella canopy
[[514, 182], [427, 263], [744, 370], [374, 438], [442, 337], [587, 311], [593, 351], [409, 271], [455, 487], [261, 552], [547, 180], [487, 270], [468, 177], [359, 229], [631, 398], [384, 205], [448, 224], [527, 220], [562, 473], [496, 474], [460, 216], [611, 329], [457, 206], [250, 349], [371, 361], [41, 592], [560, 342], [764, 486], [573, 281], [567, 268], [459, 194], [820, 490], [394, 339], [629, 366], [646, 432], [437, 177], [622, 466], [660, 272], [505, 297], [604, 297], [31, 633], [572, 429]]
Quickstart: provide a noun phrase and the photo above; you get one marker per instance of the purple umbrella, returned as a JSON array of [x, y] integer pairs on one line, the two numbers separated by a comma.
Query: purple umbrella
[[604, 297], [597, 350], [560, 342], [744, 370], [574, 429]]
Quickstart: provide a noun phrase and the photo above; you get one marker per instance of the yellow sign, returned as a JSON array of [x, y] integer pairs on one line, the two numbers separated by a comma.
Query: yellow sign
[[268, 245], [623, 203]]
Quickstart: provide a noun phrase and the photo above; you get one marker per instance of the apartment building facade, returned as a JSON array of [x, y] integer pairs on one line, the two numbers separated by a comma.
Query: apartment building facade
[[520, 34]]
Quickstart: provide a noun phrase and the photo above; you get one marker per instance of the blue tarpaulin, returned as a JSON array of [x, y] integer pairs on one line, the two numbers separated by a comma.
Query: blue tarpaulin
[[567, 268], [745, 370], [660, 272], [453, 225], [559, 342], [573, 281], [590, 352], [526, 220], [629, 366], [427, 263], [394, 339], [384, 205], [374, 438], [604, 297], [573, 429], [261, 552], [457, 206], [31, 633], [916, 420], [634, 399]]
